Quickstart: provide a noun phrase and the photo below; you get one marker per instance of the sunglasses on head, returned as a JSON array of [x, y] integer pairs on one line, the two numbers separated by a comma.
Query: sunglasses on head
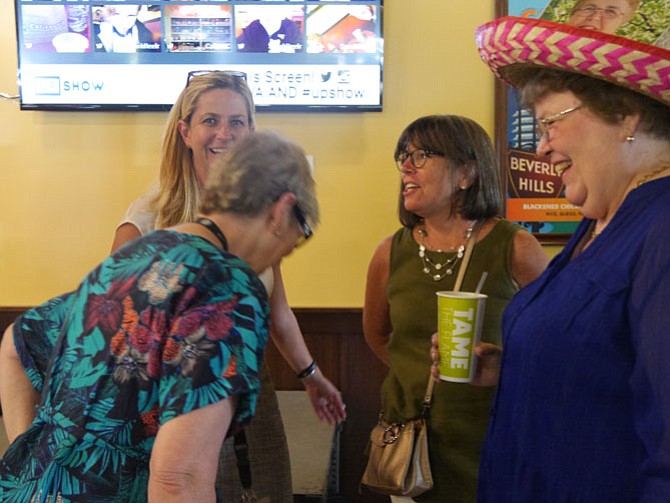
[[230, 73]]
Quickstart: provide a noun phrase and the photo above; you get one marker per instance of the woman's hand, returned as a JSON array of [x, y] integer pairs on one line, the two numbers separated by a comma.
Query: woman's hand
[[488, 362], [325, 398]]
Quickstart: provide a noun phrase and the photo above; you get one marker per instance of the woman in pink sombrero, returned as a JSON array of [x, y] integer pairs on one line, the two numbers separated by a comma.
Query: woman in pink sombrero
[[582, 412]]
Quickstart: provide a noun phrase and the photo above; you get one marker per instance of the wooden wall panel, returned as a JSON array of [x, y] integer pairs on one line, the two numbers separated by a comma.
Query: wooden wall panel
[[335, 338]]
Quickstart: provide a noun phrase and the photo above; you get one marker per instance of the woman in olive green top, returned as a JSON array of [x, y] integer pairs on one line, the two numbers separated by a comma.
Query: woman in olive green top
[[450, 189]]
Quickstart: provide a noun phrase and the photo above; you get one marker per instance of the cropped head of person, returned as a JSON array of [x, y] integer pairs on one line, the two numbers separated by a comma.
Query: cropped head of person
[[602, 15], [455, 154], [214, 110], [122, 17]]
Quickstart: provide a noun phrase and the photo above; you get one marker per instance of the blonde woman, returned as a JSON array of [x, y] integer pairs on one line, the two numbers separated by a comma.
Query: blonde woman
[[214, 111]]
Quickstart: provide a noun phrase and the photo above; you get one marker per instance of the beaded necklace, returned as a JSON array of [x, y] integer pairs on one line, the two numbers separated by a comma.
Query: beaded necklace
[[441, 270]]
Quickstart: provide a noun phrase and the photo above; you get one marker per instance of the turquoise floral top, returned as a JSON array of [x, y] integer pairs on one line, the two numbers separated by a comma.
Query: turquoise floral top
[[166, 325]]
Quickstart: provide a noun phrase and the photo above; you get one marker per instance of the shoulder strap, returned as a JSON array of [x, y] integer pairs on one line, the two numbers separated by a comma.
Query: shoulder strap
[[466, 259], [428, 397]]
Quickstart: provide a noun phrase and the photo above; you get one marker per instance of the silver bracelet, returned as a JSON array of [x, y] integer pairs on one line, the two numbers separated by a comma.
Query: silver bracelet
[[308, 371]]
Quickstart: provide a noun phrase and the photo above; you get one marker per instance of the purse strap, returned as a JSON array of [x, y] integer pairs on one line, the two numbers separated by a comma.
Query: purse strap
[[428, 397], [243, 466], [466, 259]]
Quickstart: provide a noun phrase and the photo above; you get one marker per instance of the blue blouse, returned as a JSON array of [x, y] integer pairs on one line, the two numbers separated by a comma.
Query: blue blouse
[[582, 412]]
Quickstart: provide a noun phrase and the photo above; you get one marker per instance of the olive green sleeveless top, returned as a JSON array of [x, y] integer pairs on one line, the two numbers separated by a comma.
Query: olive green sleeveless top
[[459, 412]]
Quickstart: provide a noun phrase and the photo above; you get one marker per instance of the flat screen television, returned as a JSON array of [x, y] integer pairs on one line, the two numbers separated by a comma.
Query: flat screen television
[[298, 55]]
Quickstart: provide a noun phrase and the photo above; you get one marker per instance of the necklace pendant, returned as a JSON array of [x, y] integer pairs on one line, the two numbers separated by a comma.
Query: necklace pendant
[[438, 266], [437, 277]]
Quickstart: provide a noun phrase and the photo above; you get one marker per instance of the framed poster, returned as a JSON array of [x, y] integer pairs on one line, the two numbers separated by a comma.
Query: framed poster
[[534, 190]]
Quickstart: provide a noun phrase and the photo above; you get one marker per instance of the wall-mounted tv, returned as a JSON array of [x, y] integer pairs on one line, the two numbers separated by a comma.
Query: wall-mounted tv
[[298, 55]]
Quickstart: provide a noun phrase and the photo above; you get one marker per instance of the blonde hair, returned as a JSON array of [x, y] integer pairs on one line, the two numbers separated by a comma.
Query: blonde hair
[[179, 193], [255, 172]]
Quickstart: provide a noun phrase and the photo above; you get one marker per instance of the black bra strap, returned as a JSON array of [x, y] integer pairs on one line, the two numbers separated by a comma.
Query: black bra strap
[[206, 222]]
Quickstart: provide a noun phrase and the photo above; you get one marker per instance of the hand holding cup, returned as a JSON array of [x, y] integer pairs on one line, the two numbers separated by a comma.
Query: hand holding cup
[[488, 362]]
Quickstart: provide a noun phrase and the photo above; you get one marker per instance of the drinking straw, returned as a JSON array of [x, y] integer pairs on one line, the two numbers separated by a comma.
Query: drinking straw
[[481, 282]]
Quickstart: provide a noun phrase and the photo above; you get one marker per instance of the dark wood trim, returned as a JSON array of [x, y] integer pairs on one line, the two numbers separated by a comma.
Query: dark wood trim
[[335, 339], [501, 8], [500, 113]]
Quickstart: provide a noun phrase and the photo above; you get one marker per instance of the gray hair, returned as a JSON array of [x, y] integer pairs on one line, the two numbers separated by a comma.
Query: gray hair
[[255, 172], [608, 101]]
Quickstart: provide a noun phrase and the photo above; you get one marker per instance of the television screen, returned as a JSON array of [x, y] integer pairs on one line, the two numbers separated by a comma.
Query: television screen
[[136, 55]]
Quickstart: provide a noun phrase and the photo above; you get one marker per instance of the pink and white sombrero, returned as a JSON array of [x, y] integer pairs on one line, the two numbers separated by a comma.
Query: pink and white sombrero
[[513, 47]]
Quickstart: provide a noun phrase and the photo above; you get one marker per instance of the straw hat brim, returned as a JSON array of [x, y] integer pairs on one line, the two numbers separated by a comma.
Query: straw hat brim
[[515, 48]]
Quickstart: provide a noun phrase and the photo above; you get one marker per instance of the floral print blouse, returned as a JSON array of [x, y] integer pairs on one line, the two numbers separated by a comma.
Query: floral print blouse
[[166, 325]]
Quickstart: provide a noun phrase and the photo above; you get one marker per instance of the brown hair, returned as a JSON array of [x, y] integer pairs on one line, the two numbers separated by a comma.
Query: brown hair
[[464, 143]]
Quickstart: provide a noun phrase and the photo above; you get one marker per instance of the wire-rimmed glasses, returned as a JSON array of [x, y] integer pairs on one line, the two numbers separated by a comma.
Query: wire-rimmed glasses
[[544, 125], [590, 10]]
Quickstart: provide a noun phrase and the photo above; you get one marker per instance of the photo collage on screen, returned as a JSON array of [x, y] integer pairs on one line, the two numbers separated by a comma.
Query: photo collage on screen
[[165, 27]]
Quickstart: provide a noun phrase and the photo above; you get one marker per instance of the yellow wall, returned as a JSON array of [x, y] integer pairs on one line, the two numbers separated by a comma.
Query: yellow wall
[[67, 177]]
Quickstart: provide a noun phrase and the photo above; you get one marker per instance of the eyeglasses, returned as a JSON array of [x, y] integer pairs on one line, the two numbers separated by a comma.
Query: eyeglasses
[[417, 158], [230, 73], [306, 229], [590, 10], [544, 125]]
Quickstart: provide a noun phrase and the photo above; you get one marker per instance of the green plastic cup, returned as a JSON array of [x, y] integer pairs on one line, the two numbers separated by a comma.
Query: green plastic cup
[[459, 325]]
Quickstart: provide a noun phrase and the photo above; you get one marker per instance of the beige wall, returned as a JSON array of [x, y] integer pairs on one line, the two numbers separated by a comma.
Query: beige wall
[[67, 177]]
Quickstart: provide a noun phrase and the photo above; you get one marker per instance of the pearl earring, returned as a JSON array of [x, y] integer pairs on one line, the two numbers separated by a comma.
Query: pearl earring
[[630, 138]]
